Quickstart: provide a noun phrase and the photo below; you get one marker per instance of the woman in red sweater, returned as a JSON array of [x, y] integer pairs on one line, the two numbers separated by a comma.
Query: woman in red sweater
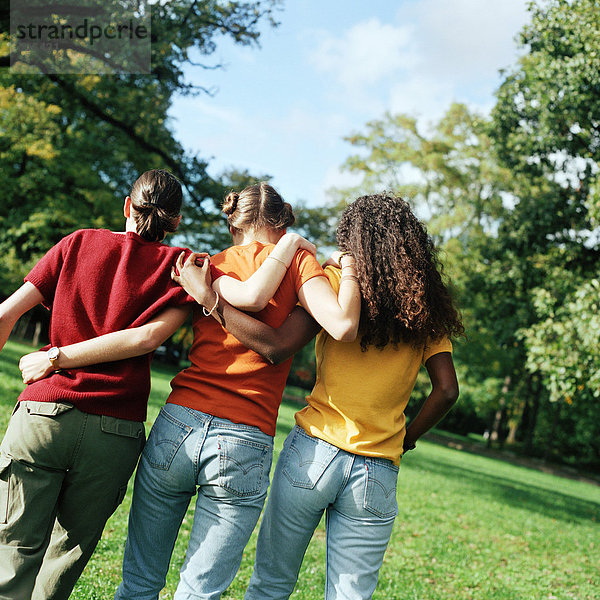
[[75, 436]]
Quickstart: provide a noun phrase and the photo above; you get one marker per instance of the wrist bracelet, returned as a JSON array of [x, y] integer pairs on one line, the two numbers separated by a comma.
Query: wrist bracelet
[[278, 260], [210, 312], [350, 277]]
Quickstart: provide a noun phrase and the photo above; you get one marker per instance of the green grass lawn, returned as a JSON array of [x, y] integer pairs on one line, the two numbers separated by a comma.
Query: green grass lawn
[[469, 527]]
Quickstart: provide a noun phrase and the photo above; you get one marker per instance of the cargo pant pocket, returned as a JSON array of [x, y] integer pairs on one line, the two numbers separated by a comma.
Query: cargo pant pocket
[[5, 462]]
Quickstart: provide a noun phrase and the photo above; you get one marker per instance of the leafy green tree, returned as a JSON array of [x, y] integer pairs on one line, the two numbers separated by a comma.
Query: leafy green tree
[[546, 132], [514, 203]]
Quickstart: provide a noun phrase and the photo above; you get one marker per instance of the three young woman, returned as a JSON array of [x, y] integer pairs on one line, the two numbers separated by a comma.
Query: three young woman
[[342, 457], [74, 438], [214, 436]]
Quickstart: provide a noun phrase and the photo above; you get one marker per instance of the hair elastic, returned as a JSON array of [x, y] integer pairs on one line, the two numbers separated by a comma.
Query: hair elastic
[[278, 260]]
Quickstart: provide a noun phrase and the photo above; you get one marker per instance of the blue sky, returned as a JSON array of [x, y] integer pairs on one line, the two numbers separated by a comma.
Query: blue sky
[[330, 67]]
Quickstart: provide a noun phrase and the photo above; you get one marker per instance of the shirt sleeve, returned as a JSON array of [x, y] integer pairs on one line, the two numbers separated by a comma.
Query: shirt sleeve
[[304, 266], [334, 275], [215, 272], [431, 348], [44, 275]]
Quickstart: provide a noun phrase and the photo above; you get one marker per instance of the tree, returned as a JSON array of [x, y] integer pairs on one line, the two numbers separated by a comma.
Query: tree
[[514, 202], [546, 131], [71, 146]]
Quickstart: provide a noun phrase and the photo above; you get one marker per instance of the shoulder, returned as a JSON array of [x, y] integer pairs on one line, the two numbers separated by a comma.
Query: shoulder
[[435, 346], [90, 235]]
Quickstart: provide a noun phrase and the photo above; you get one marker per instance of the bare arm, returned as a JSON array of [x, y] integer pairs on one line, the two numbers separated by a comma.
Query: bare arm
[[442, 398], [254, 293], [275, 345], [16, 305], [118, 345], [338, 315]]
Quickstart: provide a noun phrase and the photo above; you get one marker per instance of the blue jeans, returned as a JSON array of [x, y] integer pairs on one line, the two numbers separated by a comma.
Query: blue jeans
[[358, 496], [228, 465]]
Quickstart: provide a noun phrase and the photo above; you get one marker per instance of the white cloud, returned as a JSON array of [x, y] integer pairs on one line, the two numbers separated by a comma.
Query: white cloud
[[366, 54], [465, 39]]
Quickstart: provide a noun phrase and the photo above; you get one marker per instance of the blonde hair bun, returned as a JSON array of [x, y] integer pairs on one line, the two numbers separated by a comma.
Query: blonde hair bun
[[230, 203]]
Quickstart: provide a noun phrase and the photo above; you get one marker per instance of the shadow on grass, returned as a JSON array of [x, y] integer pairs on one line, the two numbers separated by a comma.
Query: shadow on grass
[[517, 494]]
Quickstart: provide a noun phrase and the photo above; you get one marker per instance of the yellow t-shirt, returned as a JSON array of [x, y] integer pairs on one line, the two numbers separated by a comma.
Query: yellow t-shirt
[[359, 397]]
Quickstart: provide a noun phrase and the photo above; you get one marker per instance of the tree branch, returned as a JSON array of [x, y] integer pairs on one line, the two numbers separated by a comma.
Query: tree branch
[[128, 130]]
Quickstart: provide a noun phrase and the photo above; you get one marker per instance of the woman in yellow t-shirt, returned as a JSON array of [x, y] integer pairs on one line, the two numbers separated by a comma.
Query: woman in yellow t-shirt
[[342, 457]]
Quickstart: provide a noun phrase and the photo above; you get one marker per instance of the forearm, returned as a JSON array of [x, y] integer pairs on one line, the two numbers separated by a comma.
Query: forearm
[[127, 343], [119, 345], [434, 409], [254, 293], [274, 344], [442, 398]]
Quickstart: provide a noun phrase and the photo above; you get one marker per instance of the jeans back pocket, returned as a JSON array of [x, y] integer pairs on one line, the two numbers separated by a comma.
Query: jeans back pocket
[[306, 458], [380, 490], [244, 466], [166, 436]]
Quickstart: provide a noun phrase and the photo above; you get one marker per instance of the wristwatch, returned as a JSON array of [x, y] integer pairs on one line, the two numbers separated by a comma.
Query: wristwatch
[[53, 355]]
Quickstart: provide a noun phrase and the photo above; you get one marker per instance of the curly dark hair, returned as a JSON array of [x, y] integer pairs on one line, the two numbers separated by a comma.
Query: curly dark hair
[[404, 296]]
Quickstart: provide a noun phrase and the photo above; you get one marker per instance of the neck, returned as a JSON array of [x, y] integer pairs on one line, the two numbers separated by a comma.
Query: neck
[[265, 236], [130, 225]]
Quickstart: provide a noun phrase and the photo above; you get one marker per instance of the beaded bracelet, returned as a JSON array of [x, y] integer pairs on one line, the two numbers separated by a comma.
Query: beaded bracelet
[[210, 312]]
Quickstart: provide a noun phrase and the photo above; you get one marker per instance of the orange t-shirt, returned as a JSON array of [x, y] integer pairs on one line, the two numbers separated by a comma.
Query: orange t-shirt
[[226, 379]]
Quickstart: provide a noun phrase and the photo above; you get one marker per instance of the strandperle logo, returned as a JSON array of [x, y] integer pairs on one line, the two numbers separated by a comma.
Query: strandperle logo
[[90, 36], [83, 31]]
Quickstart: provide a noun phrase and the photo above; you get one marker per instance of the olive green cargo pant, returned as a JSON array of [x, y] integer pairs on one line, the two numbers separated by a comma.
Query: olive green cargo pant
[[62, 474]]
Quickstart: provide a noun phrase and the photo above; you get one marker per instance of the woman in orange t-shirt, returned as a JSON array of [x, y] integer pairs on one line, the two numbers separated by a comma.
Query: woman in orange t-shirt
[[214, 437]]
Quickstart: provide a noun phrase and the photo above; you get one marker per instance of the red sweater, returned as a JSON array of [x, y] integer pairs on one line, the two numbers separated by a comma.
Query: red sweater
[[95, 282]]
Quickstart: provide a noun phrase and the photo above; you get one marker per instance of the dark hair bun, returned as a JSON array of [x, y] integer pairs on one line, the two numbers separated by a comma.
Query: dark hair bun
[[230, 203]]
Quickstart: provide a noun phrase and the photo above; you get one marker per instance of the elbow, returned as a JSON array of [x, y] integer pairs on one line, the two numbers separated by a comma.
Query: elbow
[[449, 394], [147, 341], [259, 302], [274, 355], [7, 320], [254, 304], [345, 331]]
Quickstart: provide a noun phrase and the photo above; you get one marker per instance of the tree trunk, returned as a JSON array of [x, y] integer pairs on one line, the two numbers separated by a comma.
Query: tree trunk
[[499, 418], [37, 333], [532, 414], [550, 443]]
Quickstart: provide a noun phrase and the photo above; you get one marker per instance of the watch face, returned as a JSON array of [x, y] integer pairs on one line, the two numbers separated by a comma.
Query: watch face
[[53, 353]]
